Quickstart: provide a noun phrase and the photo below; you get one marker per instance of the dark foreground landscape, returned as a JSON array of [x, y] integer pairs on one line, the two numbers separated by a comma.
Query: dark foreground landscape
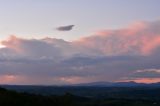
[[79, 95]]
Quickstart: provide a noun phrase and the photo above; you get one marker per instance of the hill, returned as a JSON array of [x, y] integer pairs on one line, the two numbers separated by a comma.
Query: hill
[[128, 98]]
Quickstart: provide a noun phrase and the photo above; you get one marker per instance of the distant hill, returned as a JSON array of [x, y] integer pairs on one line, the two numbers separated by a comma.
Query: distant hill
[[118, 84]]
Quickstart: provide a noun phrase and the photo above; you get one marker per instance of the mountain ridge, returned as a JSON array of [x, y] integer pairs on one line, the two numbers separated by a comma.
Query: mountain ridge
[[117, 84]]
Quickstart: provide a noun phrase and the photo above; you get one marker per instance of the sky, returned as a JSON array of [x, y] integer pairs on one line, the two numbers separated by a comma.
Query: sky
[[79, 41]]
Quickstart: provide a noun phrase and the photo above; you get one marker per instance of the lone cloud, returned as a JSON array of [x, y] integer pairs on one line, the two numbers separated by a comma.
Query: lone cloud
[[65, 28]]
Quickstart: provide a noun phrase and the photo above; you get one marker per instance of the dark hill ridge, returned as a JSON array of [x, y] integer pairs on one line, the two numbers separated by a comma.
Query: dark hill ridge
[[12, 98], [95, 89]]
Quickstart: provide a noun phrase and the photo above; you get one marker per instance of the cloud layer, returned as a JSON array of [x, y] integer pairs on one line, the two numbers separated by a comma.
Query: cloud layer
[[125, 54]]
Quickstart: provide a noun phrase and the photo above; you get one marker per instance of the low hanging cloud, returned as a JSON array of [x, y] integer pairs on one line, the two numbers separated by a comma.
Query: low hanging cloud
[[65, 28], [129, 54]]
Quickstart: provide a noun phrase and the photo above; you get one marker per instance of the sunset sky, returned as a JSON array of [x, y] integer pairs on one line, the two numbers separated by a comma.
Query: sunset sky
[[79, 41]]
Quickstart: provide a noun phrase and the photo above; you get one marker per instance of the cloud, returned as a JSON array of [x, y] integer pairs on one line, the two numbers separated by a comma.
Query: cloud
[[65, 28], [143, 80], [141, 38], [146, 73], [125, 54], [34, 48], [148, 70]]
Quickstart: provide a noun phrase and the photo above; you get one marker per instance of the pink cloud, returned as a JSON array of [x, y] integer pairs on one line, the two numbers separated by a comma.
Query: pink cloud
[[8, 79], [13, 43], [143, 80], [140, 38]]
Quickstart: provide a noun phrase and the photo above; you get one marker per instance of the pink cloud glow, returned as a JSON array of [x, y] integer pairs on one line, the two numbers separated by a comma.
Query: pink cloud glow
[[141, 38], [143, 80]]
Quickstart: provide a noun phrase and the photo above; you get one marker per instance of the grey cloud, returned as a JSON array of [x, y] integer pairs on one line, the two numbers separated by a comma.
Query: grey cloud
[[146, 73], [106, 68], [65, 28]]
